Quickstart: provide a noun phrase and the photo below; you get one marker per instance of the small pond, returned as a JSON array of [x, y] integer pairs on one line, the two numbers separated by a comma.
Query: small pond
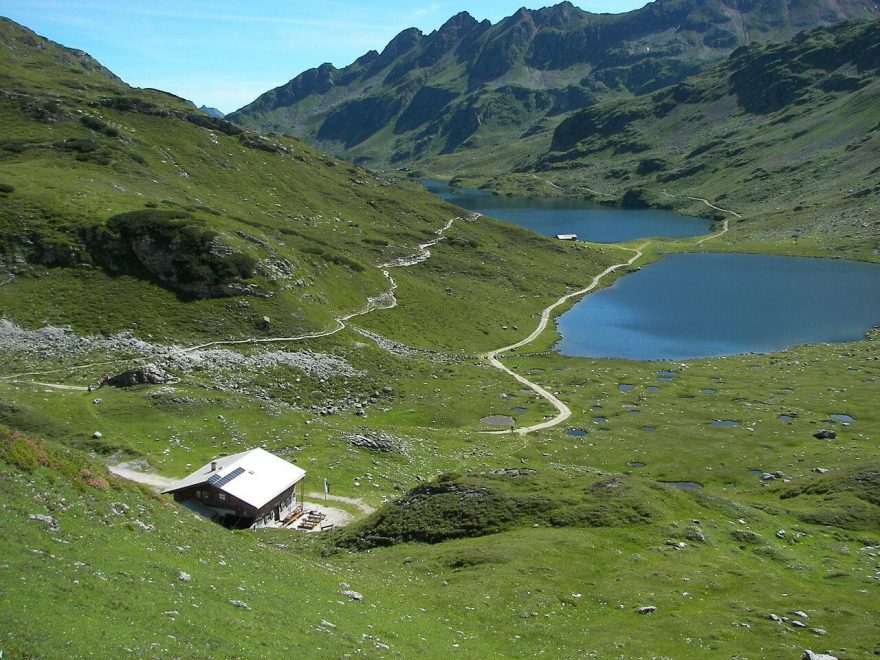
[[519, 410], [636, 464], [700, 305], [575, 433], [724, 423], [843, 419], [686, 485], [557, 215]]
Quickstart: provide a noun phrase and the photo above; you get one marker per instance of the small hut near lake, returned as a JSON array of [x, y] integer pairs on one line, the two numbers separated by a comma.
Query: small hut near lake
[[251, 489]]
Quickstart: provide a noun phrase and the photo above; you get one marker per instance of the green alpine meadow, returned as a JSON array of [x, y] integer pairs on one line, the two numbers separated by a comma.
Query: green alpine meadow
[[263, 395]]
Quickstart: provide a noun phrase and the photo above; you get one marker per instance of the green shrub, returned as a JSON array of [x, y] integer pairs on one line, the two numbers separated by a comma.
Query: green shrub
[[80, 145], [93, 122], [375, 241], [650, 165], [183, 250], [22, 451], [334, 258]]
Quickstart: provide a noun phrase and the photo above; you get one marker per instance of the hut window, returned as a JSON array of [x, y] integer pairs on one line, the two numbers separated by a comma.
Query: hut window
[[221, 497]]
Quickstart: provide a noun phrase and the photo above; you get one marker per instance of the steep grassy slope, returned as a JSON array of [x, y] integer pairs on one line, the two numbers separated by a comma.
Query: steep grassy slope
[[472, 86], [120, 204]]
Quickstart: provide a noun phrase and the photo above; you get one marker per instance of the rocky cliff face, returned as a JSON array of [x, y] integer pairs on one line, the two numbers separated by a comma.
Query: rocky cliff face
[[471, 84]]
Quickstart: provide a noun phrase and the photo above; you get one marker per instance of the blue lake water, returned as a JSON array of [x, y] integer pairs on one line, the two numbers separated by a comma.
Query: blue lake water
[[555, 215], [700, 305]]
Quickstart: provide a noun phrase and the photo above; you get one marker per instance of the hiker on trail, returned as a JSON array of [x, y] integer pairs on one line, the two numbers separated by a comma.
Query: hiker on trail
[[105, 380], [90, 388]]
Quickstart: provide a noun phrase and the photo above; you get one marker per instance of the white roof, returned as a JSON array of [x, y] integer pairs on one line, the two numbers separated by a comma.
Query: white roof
[[255, 477]]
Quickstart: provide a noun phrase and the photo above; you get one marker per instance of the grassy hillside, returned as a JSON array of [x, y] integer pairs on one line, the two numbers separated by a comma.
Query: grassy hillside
[[128, 209]]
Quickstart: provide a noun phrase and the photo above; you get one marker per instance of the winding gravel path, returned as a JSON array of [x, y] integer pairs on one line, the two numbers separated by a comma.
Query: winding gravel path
[[354, 501], [386, 300], [725, 225], [492, 356], [564, 412]]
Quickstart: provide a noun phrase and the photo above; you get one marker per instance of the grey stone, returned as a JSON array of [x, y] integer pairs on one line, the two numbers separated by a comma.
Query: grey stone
[[147, 374], [119, 508], [46, 520], [825, 434], [240, 604], [801, 614], [97, 435], [810, 655], [184, 576], [647, 609], [354, 595], [775, 617]]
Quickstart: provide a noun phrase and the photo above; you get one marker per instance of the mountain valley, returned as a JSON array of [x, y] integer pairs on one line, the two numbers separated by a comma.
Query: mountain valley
[[241, 288]]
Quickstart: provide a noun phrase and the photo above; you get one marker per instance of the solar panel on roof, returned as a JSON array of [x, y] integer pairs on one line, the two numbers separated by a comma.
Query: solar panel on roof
[[218, 481]]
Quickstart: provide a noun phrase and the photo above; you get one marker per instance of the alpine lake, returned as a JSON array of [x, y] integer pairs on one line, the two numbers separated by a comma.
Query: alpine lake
[[697, 305]]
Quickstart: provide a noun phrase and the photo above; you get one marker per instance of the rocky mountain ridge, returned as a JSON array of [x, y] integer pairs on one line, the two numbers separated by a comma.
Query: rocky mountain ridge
[[471, 84]]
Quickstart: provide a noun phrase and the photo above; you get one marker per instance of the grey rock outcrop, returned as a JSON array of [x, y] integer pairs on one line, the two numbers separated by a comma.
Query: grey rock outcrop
[[810, 655], [46, 520], [147, 374]]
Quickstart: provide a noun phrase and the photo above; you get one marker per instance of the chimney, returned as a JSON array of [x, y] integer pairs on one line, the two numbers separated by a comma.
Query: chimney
[[213, 466]]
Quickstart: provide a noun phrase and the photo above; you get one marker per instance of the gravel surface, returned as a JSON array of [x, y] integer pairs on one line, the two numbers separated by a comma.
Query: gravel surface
[[53, 342]]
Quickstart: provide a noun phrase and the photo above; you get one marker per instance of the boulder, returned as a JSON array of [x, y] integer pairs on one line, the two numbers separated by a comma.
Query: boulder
[[809, 655], [647, 609], [147, 374], [825, 434], [354, 595], [46, 520]]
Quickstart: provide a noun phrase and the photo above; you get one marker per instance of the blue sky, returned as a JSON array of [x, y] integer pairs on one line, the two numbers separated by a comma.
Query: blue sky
[[225, 54]]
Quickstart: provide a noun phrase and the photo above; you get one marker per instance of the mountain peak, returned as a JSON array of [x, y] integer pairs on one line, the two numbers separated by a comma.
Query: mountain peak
[[474, 84], [402, 42], [460, 20], [557, 16]]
